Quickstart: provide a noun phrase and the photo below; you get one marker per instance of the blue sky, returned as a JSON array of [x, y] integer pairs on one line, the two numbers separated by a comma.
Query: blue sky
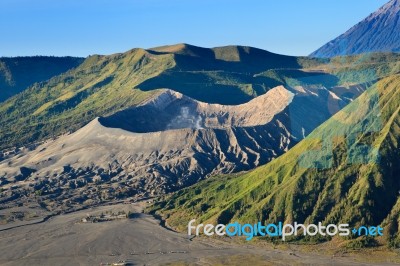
[[84, 27]]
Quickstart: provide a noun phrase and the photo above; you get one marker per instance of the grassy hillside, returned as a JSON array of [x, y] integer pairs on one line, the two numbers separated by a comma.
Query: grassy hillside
[[102, 85], [18, 73], [346, 171]]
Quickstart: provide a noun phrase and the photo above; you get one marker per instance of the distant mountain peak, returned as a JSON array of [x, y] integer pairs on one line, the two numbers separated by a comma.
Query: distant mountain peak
[[389, 9], [379, 32]]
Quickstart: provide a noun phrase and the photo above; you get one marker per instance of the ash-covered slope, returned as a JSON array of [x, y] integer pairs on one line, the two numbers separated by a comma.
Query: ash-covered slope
[[379, 32], [169, 142], [346, 171], [102, 85], [172, 110]]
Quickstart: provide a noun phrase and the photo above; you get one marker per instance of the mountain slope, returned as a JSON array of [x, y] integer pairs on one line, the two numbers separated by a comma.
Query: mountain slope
[[103, 85], [169, 142], [19, 73], [100, 85], [379, 32], [148, 140], [346, 171]]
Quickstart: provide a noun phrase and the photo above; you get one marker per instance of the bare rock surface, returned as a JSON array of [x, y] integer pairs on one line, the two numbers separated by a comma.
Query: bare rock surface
[[167, 143]]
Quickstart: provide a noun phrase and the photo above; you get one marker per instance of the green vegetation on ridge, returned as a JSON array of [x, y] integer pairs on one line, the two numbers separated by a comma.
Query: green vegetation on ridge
[[18, 73], [100, 85], [103, 85], [346, 171]]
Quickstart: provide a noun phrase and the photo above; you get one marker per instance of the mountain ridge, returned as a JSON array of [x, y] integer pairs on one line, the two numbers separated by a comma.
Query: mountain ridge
[[344, 182], [170, 141], [19, 73], [379, 32], [102, 85]]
